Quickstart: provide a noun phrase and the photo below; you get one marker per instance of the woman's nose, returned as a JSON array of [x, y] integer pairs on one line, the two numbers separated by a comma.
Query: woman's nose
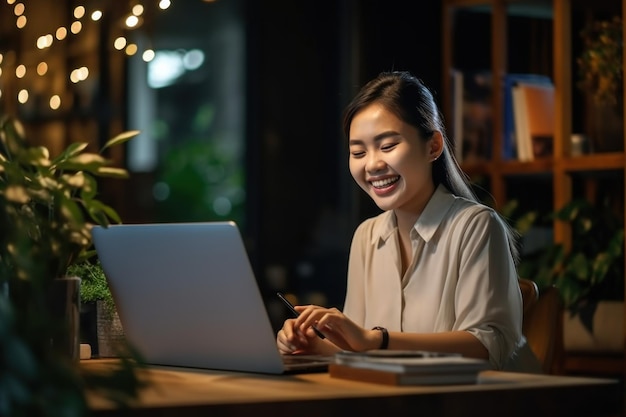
[[375, 163]]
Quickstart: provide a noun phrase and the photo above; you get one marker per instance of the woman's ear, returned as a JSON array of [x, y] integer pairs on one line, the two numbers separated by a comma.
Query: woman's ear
[[435, 146]]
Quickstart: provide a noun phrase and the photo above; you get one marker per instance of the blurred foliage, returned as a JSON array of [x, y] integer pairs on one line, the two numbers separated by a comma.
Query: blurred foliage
[[201, 181], [600, 62], [591, 269], [47, 208]]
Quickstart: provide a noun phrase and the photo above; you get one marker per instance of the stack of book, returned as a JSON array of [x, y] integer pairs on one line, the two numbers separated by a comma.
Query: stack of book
[[407, 367]]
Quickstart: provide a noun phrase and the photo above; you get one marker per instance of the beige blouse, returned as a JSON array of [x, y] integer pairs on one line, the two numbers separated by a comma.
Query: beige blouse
[[462, 276]]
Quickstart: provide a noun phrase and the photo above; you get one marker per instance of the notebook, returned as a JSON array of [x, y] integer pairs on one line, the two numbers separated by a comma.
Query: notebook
[[186, 296]]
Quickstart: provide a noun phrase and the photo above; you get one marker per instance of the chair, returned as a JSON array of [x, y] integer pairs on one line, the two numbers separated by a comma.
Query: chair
[[543, 324]]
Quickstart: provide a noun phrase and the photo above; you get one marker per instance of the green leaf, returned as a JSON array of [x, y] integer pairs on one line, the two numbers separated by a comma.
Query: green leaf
[[112, 172], [72, 150], [121, 138]]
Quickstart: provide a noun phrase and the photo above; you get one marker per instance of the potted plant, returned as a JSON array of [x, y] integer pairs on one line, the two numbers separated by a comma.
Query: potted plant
[[100, 322], [589, 273], [47, 208], [601, 78]]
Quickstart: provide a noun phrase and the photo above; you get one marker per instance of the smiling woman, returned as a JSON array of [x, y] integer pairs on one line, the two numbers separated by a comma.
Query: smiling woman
[[436, 270]]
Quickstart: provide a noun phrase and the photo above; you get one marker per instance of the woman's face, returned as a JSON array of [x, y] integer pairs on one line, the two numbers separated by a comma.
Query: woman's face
[[390, 161]]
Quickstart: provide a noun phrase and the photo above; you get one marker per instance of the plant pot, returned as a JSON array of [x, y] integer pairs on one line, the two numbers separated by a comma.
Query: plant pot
[[110, 333], [607, 331], [64, 307]]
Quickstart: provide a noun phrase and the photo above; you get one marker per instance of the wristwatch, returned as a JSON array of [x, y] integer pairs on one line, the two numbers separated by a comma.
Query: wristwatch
[[385, 343]]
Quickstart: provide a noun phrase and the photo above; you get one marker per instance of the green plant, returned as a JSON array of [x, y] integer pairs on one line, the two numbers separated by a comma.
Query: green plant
[[93, 286], [600, 62], [47, 208], [591, 268]]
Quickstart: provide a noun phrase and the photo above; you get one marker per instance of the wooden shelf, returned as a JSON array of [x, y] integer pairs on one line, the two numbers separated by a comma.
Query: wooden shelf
[[567, 176]]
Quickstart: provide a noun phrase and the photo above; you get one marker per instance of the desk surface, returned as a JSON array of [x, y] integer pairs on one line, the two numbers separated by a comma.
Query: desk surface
[[188, 392]]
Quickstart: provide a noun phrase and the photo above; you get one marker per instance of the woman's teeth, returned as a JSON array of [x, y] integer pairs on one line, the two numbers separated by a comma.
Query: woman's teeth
[[385, 183]]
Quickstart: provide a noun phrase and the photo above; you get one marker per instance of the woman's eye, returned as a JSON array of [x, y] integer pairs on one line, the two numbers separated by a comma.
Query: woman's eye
[[388, 146], [357, 154]]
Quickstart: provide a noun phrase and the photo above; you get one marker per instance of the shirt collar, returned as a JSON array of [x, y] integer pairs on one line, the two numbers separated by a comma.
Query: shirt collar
[[428, 222]]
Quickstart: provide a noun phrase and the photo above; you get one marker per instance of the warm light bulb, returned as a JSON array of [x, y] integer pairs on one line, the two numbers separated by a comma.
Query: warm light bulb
[[83, 73], [55, 102], [74, 76], [76, 27], [138, 10], [61, 33], [148, 55], [79, 12], [1, 58], [42, 68], [131, 49], [10, 1], [164, 4], [41, 42], [21, 22], [22, 96], [96, 15], [132, 21], [20, 71], [19, 9], [120, 43]]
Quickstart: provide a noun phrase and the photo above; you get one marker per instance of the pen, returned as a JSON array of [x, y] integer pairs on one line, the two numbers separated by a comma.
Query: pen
[[296, 314]]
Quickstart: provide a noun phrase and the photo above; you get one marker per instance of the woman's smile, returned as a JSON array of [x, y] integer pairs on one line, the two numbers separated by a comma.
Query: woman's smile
[[385, 185]]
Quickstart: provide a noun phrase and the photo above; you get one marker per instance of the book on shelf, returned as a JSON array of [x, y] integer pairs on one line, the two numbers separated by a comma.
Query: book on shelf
[[407, 367], [456, 128], [509, 142], [534, 120], [472, 124]]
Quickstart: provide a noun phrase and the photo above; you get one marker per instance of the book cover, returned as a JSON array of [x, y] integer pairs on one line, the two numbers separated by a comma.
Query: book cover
[[416, 362], [399, 378], [534, 119], [509, 144]]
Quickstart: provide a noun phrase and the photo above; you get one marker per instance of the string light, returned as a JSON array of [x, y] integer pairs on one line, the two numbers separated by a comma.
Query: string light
[[120, 43], [132, 21], [20, 71], [55, 102], [76, 27], [79, 12], [148, 55], [61, 33], [42, 68], [19, 9], [22, 96], [138, 9], [131, 49]]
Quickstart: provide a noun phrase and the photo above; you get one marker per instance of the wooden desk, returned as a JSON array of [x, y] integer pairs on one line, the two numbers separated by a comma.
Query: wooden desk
[[182, 392]]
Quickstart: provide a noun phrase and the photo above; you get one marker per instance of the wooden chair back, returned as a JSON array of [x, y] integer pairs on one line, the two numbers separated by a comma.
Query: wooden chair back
[[543, 324]]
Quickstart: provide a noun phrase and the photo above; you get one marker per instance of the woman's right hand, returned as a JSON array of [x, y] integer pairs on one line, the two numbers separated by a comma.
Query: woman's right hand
[[291, 340]]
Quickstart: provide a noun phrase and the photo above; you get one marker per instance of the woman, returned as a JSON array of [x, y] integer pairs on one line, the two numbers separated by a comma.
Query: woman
[[436, 270]]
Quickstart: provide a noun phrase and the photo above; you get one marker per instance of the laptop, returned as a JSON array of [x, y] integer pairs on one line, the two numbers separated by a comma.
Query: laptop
[[187, 297]]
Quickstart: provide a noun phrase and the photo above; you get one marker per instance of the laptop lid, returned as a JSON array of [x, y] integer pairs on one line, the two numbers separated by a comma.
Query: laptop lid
[[186, 295]]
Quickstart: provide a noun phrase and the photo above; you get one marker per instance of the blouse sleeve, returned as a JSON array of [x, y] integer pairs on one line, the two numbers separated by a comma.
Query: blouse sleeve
[[354, 306], [488, 299]]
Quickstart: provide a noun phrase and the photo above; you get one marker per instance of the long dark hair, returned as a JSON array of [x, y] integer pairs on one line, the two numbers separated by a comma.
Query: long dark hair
[[411, 101]]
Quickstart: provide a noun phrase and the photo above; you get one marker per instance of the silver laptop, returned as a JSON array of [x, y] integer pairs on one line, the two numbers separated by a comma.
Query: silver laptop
[[186, 296]]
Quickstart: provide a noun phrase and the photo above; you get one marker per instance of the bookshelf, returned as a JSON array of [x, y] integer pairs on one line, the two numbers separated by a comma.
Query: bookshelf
[[535, 36]]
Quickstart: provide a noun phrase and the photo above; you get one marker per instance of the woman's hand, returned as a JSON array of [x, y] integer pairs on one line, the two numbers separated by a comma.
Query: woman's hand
[[338, 329]]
